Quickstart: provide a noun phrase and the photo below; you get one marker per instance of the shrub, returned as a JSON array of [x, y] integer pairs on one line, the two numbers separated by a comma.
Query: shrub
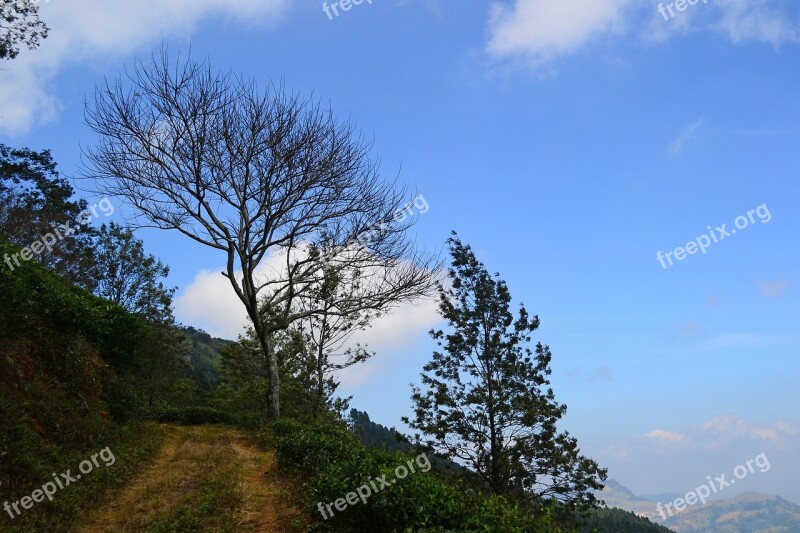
[[190, 415], [313, 448], [334, 463]]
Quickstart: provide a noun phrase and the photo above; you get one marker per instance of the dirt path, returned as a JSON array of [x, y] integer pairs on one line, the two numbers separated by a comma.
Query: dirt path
[[204, 478]]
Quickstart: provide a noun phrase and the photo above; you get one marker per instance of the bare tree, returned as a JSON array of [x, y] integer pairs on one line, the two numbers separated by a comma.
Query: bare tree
[[257, 174]]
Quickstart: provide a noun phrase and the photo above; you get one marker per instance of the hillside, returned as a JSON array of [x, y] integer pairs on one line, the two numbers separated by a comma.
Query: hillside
[[747, 513], [203, 356], [617, 495], [74, 369], [613, 520]]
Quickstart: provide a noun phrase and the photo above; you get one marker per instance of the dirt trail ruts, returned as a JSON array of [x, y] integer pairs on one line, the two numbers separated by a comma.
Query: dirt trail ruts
[[179, 470]]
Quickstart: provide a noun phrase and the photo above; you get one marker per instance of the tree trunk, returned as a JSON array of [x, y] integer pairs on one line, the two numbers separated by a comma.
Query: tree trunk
[[274, 381], [274, 398], [320, 371]]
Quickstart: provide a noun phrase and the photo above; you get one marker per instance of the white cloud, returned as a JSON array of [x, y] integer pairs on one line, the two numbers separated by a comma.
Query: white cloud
[[397, 330], [544, 29], [84, 30], [756, 20], [732, 427], [664, 435], [721, 430], [209, 303]]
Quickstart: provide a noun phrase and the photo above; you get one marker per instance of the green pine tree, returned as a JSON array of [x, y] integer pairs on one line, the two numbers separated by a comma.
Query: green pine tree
[[487, 401]]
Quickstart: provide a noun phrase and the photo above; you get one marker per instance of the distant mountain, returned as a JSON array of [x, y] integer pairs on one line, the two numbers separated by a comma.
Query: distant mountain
[[748, 513], [663, 497], [616, 495]]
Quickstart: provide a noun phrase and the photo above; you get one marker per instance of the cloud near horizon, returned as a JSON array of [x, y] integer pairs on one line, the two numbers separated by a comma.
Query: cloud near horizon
[[676, 460], [724, 428]]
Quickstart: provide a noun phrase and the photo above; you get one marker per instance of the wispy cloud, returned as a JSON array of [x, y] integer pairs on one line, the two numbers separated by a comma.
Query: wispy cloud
[[543, 30], [731, 426], [757, 20], [664, 435], [689, 133], [774, 289]]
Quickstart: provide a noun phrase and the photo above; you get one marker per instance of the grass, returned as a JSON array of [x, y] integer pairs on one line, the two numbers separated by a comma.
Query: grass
[[204, 478], [132, 446]]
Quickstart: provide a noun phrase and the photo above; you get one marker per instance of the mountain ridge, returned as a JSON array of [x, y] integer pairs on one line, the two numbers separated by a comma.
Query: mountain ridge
[[750, 512]]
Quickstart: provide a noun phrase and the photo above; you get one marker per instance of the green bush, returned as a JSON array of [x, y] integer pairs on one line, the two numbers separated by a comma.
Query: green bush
[[195, 415], [334, 463], [62, 352], [313, 448], [190, 415]]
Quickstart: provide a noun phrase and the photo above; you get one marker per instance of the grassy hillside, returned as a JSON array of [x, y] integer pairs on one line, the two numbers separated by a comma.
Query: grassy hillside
[[64, 355], [203, 356]]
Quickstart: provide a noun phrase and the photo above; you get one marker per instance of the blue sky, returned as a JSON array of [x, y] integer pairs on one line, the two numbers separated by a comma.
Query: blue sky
[[568, 142]]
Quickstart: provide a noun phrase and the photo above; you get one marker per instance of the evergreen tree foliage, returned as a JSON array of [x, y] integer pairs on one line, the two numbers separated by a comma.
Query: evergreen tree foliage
[[485, 398]]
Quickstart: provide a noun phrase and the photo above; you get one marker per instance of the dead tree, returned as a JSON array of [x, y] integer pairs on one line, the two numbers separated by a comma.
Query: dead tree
[[257, 174]]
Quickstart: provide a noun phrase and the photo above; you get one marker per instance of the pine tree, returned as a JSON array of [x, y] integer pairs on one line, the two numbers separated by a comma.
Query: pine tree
[[487, 401]]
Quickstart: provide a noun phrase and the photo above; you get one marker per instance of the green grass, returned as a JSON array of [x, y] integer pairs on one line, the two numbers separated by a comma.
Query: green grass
[[132, 447]]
